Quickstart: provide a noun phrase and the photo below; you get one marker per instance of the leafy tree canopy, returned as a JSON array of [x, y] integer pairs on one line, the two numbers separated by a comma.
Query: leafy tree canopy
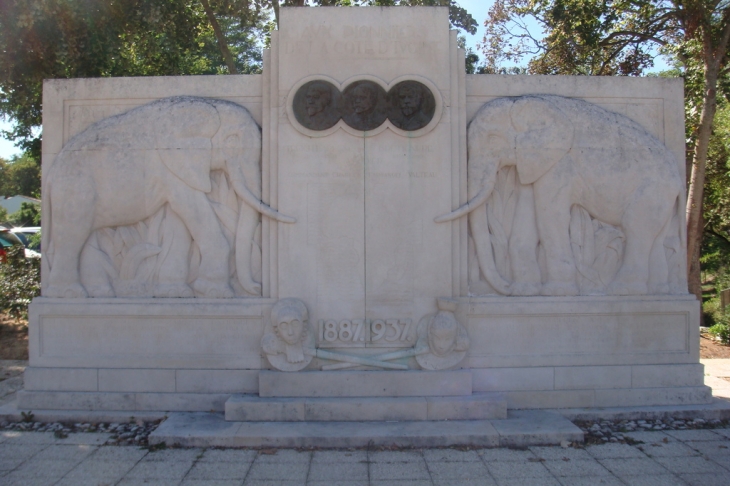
[[46, 39], [20, 176], [29, 214]]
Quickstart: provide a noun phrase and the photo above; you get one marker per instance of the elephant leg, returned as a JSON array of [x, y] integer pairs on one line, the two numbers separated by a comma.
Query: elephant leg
[[248, 220], [174, 268], [523, 245], [658, 265], [72, 219], [642, 223], [552, 208], [196, 212]]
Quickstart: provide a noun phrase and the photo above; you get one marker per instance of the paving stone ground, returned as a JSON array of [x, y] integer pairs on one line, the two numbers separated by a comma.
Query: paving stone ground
[[692, 457], [678, 457]]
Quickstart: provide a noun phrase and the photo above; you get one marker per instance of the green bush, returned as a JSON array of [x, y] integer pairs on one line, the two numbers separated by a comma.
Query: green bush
[[20, 281], [711, 312], [722, 331], [29, 214]]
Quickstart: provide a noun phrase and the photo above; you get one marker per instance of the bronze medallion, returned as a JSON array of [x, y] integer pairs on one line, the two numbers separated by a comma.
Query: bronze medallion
[[316, 105], [412, 105], [364, 105]]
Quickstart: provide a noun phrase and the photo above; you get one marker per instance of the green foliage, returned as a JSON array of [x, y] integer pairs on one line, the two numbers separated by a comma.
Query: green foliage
[[21, 176], [29, 214], [52, 39], [47, 39], [721, 330], [3, 215], [597, 37], [34, 241], [20, 281]]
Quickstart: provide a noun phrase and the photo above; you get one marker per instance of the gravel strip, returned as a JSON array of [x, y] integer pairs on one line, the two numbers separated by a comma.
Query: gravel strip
[[132, 433], [606, 431]]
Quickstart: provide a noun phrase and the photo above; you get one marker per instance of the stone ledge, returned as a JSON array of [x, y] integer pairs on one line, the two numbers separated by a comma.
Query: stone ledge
[[103, 401], [520, 429], [252, 408], [365, 383]]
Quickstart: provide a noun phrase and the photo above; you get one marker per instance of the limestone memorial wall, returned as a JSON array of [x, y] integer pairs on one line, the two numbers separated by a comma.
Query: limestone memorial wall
[[363, 219]]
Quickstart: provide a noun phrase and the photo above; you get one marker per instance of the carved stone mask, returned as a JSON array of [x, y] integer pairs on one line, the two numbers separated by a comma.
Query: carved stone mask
[[442, 334], [291, 327]]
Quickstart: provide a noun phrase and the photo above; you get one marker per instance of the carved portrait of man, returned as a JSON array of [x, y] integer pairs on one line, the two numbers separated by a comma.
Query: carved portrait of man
[[315, 105], [318, 97], [364, 108], [413, 105]]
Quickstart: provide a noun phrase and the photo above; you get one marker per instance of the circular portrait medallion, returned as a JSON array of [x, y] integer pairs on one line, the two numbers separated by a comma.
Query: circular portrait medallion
[[364, 105], [316, 105], [412, 105]]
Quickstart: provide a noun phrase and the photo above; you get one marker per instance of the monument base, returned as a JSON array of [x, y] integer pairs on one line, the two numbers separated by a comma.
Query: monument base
[[194, 354]]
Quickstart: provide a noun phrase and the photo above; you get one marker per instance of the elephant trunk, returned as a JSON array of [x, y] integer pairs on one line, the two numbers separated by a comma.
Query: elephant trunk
[[479, 225]]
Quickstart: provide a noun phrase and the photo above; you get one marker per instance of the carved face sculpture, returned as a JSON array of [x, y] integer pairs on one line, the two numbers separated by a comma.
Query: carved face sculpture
[[363, 99], [410, 99], [318, 98], [442, 334], [290, 326]]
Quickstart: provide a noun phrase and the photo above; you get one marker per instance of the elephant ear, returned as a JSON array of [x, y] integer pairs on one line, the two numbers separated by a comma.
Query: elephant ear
[[544, 136], [184, 141]]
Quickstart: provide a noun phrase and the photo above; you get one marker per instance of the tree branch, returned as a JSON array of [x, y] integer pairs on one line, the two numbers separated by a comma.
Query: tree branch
[[222, 44], [712, 231]]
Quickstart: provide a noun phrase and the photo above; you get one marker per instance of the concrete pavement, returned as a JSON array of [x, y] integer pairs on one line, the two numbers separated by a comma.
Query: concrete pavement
[[678, 457], [686, 457]]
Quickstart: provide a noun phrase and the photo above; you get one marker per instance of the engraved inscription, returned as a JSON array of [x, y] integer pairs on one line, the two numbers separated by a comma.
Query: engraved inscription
[[366, 333]]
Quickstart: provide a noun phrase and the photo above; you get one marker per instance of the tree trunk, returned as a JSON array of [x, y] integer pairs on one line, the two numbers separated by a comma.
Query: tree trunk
[[275, 4], [697, 179], [222, 43]]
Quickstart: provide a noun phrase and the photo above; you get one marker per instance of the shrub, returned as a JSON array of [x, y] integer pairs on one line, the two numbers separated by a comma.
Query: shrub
[[20, 281], [29, 214], [721, 330]]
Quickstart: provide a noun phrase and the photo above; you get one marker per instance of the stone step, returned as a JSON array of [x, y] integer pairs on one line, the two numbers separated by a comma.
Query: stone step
[[365, 383], [521, 429], [252, 408]]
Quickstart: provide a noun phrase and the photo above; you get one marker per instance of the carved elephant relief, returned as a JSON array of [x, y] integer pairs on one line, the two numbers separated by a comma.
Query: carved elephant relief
[[124, 169], [572, 160]]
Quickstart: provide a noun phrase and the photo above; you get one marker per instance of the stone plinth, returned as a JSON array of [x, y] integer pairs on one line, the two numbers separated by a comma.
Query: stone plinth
[[365, 384], [252, 408]]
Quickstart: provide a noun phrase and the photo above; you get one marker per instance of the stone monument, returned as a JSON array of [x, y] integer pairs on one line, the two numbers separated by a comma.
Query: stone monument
[[363, 223]]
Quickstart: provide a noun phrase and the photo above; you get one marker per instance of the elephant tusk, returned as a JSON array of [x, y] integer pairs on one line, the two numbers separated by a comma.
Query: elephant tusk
[[466, 208], [260, 206]]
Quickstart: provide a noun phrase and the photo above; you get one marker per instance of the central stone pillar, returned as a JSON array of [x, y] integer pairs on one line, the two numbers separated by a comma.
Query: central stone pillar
[[364, 143]]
